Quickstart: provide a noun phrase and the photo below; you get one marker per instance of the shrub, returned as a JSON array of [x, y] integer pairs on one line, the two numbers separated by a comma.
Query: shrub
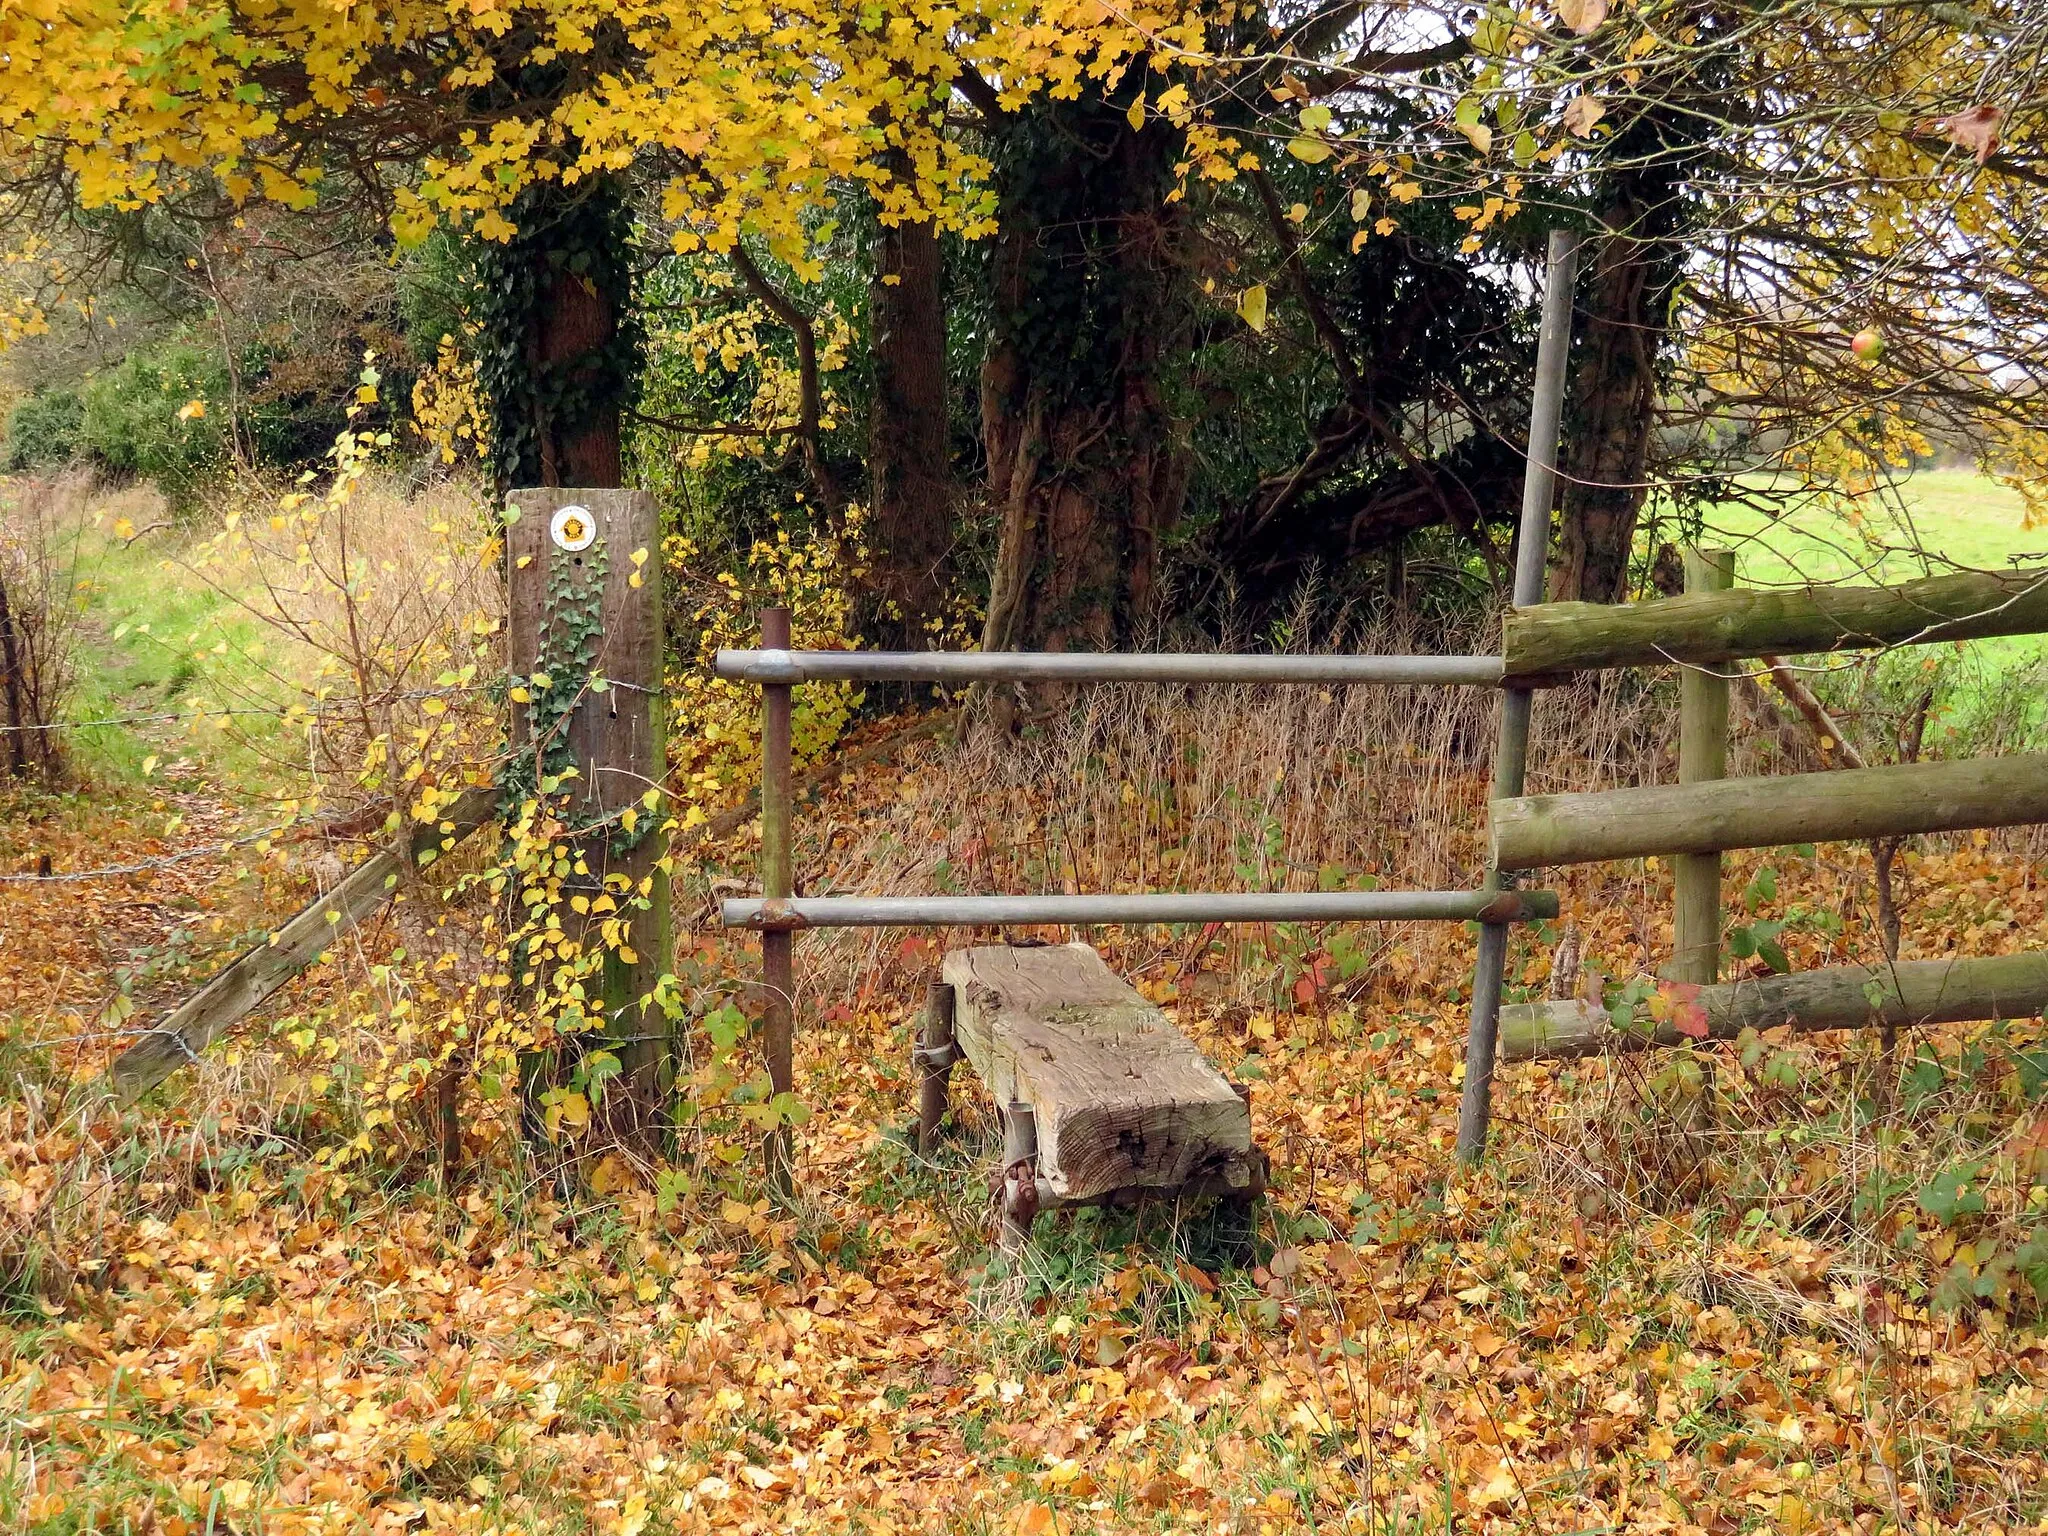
[[150, 417], [45, 431]]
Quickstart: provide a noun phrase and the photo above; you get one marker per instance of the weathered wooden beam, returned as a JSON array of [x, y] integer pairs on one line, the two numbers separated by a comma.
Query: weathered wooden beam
[[1851, 804], [1120, 1099], [1834, 997], [1549, 641], [253, 976]]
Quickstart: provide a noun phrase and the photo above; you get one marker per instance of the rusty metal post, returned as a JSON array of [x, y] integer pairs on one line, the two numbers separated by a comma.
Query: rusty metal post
[[1018, 1197], [778, 972], [935, 1056]]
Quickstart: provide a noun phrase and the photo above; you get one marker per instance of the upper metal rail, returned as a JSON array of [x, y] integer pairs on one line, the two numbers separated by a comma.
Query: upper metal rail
[[786, 667], [777, 915]]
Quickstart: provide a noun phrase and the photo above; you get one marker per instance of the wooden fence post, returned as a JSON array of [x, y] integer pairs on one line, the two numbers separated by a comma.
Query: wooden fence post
[[1702, 755], [778, 968], [585, 611]]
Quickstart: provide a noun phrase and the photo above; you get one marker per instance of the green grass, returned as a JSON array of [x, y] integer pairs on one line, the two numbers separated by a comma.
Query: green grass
[[1930, 523], [156, 639], [1959, 517]]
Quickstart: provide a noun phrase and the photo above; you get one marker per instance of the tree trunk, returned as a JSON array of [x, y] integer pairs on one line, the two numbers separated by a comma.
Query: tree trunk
[[1085, 463], [559, 352], [576, 321], [14, 730], [909, 448], [1627, 306]]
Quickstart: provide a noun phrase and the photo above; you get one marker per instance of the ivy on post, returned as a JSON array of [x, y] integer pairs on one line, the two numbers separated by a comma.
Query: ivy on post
[[584, 628]]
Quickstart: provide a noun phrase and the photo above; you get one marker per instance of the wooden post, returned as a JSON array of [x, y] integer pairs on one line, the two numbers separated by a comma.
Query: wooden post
[[1511, 754], [778, 970], [935, 1056], [585, 611], [1702, 756]]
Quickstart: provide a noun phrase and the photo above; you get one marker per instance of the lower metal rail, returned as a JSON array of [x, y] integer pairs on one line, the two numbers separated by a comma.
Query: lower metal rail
[[779, 915]]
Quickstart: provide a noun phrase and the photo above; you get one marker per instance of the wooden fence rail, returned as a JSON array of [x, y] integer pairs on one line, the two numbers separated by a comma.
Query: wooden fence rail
[[1840, 806], [1547, 642], [1953, 991]]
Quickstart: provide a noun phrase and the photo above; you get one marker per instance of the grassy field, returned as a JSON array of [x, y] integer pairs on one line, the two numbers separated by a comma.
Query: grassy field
[[1959, 517], [158, 640], [1939, 520]]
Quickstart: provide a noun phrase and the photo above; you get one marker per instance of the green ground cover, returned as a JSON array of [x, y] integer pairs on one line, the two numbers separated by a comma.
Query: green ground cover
[[1990, 692], [156, 640], [1958, 517]]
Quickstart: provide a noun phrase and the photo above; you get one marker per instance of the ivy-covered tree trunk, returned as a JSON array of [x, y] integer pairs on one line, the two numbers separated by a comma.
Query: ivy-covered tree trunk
[[909, 449], [560, 347], [1626, 304], [1086, 466]]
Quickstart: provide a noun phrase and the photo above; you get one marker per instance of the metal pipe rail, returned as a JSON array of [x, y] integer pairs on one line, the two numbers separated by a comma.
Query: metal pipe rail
[[778, 667], [771, 915]]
